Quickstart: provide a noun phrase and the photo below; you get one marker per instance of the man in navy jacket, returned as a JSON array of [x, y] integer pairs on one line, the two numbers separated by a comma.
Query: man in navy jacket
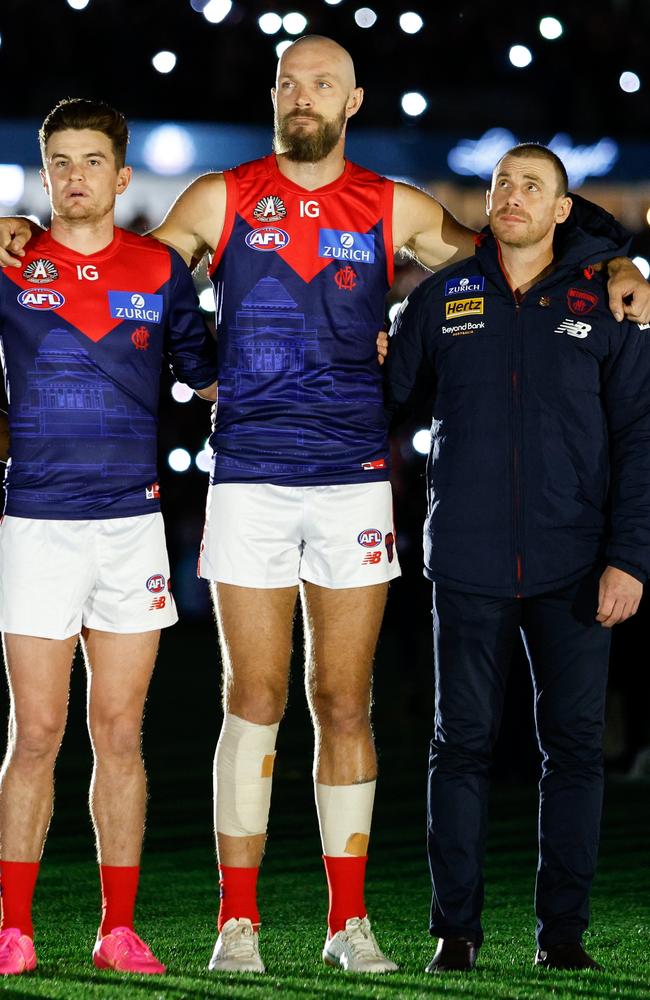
[[538, 520]]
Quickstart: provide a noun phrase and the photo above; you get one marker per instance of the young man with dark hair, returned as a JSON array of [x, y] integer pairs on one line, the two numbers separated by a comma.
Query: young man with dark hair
[[539, 523], [85, 325]]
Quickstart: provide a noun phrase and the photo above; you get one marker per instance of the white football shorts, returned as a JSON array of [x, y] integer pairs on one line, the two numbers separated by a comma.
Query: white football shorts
[[260, 535], [111, 575]]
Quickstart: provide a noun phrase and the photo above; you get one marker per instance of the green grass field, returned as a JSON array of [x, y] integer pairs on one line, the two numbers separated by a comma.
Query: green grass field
[[177, 902]]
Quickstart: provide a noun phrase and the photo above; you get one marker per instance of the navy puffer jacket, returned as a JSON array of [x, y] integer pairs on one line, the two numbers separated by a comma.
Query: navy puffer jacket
[[539, 468]]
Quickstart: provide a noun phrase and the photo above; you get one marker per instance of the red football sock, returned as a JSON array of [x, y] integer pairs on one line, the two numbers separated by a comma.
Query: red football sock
[[17, 884], [119, 889], [238, 888], [345, 879]]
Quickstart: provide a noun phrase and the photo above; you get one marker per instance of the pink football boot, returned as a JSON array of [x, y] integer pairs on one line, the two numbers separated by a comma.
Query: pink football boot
[[16, 952], [123, 951]]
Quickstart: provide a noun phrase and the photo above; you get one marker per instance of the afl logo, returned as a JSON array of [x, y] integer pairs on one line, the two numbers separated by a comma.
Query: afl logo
[[40, 298], [156, 583], [370, 538], [346, 240], [267, 238]]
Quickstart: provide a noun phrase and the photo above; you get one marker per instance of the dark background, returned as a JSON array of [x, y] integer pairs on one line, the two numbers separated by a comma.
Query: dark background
[[224, 73]]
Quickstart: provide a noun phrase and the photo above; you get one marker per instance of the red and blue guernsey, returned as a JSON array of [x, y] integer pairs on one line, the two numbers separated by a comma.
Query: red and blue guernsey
[[300, 279], [83, 339]]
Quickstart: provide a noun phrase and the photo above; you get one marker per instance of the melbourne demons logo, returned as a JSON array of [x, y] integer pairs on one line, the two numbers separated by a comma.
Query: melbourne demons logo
[[370, 538], [156, 583], [581, 302], [140, 338], [270, 208], [40, 298], [267, 238], [346, 278]]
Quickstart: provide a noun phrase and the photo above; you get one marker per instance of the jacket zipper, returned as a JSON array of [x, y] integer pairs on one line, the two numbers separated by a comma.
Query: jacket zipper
[[515, 383]]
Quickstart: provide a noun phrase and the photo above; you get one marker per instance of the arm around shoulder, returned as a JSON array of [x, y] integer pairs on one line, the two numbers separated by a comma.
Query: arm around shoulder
[[427, 230], [195, 221]]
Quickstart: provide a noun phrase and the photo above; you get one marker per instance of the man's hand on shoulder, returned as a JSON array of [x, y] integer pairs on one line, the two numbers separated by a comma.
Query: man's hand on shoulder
[[629, 292], [382, 346], [619, 595], [14, 234]]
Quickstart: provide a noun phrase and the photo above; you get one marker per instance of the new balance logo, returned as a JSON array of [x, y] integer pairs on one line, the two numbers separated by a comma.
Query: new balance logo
[[574, 328]]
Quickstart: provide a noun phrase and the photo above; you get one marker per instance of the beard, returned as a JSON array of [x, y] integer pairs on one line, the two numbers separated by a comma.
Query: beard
[[307, 147]]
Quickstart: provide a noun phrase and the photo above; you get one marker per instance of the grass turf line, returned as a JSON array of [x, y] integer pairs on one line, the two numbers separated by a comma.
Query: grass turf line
[[292, 891]]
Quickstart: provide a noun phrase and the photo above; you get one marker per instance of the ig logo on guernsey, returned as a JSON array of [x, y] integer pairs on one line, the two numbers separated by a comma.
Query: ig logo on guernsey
[[267, 238], [40, 298]]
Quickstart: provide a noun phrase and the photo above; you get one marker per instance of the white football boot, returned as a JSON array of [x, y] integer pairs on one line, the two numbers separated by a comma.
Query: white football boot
[[237, 948], [356, 950]]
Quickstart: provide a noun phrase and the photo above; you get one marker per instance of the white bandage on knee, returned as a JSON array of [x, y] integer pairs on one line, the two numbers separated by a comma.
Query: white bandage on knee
[[344, 817], [243, 771]]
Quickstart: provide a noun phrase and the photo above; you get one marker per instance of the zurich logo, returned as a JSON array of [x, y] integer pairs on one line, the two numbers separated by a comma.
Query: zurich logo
[[137, 301], [346, 240], [267, 238], [40, 298]]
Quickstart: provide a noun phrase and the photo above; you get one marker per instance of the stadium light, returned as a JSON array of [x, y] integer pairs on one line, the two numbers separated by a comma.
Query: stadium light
[[12, 183], [414, 104], [520, 56], [164, 61], [270, 23], [410, 22], [550, 28], [393, 311], [294, 23], [422, 441], [206, 300], [333, 3], [179, 459], [169, 150], [203, 459], [643, 266], [78, 4], [647, 216], [181, 392], [282, 46], [216, 10], [365, 17], [629, 82]]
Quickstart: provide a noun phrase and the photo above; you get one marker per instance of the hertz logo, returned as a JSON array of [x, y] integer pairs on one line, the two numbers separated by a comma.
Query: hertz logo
[[464, 307]]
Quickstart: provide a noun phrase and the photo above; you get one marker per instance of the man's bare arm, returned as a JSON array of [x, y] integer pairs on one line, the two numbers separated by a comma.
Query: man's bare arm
[[194, 223], [426, 230], [209, 392]]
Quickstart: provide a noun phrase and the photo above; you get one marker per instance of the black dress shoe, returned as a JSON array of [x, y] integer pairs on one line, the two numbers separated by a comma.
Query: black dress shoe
[[571, 955], [453, 955]]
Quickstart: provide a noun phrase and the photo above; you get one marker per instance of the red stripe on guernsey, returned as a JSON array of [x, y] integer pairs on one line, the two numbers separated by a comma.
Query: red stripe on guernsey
[[83, 282], [229, 221], [362, 198], [388, 201]]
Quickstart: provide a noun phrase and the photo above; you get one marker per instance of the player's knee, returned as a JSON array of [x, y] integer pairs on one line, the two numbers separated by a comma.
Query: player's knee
[[38, 740], [340, 712], [116, 737], [262, 705]]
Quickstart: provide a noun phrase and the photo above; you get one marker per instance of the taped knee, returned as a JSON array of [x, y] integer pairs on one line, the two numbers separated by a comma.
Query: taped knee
[[243, 772]]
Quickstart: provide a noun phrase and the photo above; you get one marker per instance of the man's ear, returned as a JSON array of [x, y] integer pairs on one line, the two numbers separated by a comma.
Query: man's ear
[[563, 210]]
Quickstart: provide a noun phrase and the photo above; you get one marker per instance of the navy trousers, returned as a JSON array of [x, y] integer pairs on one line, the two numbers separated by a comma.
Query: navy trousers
[[568, 651]]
